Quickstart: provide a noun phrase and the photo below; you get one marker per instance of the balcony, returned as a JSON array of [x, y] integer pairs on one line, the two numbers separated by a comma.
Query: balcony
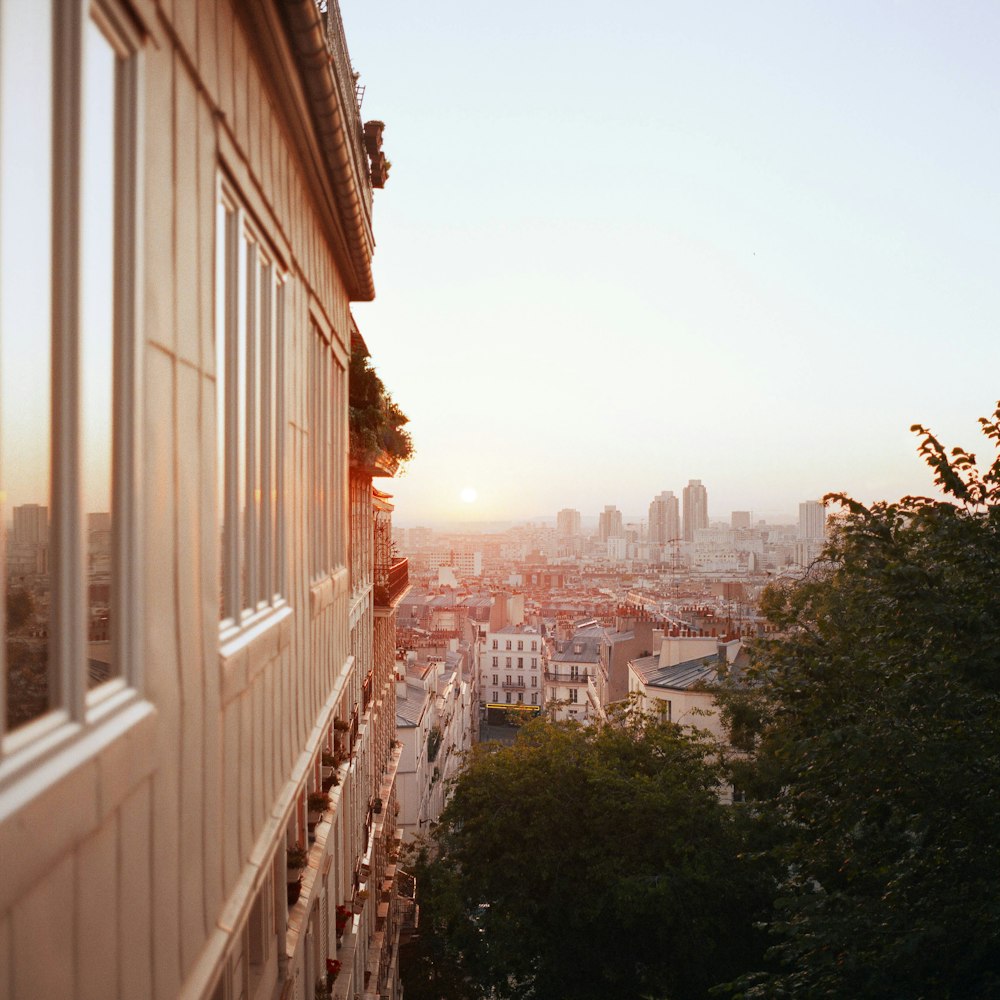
[[563, 678], [514, 686], [391, 581]]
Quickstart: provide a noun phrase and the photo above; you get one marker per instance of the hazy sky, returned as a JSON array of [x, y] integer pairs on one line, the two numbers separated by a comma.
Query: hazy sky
[[624, 245]]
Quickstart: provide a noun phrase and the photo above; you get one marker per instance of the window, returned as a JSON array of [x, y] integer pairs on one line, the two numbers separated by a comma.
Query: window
[[573, 692], [249, 407], [520, 679], [520, 663], [507, 680], [496, 661], [69, 466], [508, 697], [534, 662], [534, 699], [664, 709], [574, 672], [495, 695], [507, 645], [327, 441], [506, 661], [495, 678], [520, 644], [534, 682], [520, 698], [534, 645], [496, 645]]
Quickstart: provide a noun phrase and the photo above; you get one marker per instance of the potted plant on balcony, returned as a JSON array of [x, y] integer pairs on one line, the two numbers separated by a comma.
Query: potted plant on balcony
[[376, 805], [341, 725], [329, 764], [318, 803], [373, 136], [359, 900], [296, 858], [343, 918]]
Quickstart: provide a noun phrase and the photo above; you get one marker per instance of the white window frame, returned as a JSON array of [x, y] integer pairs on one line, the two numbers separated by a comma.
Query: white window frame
[[76, 709], [252, 336], [327, 395]]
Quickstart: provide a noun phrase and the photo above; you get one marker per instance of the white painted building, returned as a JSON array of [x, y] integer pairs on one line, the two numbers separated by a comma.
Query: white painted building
[[510, 666], [669, 683], [197, 289], [575, 685], [435, 725]]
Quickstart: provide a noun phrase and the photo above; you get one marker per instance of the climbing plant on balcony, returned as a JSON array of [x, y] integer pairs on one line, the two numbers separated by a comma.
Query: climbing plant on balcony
[[377, 424], [433, 743]]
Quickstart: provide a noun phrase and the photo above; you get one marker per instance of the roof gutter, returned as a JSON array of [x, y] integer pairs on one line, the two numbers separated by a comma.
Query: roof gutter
[[308, 37]]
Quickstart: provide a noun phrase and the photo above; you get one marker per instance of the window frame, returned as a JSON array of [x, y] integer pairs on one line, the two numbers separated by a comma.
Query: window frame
[[253, 444], [74, 707]]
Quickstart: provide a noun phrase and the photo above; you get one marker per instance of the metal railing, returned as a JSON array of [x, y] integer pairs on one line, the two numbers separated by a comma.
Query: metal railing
[[390, 581], [553, 675]]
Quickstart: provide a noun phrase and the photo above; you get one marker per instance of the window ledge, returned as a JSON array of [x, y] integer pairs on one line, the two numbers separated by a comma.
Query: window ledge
[[63, 791], [325, 591], [244, 655]]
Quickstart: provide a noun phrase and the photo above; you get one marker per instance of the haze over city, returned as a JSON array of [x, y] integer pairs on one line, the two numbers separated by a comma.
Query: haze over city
[[628, 246]]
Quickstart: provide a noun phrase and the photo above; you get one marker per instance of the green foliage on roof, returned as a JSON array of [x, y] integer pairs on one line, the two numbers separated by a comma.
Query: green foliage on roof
[[377, 424]]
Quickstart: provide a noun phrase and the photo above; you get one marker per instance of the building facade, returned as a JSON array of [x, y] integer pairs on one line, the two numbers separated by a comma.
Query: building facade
[[199, 686], [510, 667], [575, 685], [664, 520], [568, 523], [609, 524], [695, 503]]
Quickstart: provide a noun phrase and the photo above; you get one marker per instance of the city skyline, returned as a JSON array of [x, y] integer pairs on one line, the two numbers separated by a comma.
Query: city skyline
[[681, 240]]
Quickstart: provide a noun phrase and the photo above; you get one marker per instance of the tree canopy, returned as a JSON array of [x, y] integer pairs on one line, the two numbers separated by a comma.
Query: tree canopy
[[873, 730], [591, 863]]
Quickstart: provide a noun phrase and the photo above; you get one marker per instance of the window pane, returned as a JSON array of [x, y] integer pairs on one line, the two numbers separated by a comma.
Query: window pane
[[97, 326], [25, 351], [222, 226]]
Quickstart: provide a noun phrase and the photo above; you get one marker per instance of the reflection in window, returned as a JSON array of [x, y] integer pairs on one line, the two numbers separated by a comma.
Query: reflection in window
[[56, 419], [25, 355], [97, 272], [249, 377]]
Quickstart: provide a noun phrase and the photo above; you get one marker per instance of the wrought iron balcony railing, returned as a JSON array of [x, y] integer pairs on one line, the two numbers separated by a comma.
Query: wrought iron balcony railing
[[390, 582]]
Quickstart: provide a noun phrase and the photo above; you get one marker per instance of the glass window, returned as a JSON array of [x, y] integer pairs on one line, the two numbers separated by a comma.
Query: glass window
[[66, 374], [249, 404]]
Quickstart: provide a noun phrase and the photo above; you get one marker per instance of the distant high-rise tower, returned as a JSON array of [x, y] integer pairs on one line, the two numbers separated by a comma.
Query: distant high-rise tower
[[31, 524], [695, 508], [568, 522], [609, 524], [812, 521], [664, 519], [741, 519]]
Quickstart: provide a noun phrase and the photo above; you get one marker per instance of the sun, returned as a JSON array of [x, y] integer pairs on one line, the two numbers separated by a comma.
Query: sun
[[468, 495]]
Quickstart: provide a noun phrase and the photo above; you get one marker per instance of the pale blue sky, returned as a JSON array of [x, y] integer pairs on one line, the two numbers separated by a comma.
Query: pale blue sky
[[623, 245]]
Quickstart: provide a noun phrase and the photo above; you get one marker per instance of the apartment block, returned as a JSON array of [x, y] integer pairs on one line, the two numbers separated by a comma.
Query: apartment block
[[510, 667], [199, 673]]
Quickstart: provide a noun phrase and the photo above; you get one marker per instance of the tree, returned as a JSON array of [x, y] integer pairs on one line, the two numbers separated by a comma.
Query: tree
[[872, 725], [377, 424], [593, 863]]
